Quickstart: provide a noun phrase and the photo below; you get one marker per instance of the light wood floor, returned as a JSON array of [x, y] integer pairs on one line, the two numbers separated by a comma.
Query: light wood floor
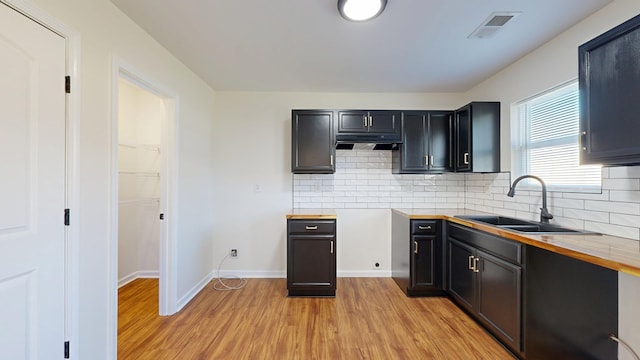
[[370, 318]]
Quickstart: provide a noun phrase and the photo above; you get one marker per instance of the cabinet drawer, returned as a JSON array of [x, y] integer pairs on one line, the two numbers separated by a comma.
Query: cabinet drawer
[[503, 248], [424, 227], [310, 227]]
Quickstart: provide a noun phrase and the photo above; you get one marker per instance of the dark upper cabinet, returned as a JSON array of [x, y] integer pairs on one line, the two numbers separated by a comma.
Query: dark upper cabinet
[[609, 82], [426, 143], [372, 122], [477, 138], [312, 141]]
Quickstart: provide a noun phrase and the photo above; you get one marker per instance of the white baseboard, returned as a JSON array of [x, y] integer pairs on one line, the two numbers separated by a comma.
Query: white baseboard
[[364, 273], [183, 301], [146, 274]]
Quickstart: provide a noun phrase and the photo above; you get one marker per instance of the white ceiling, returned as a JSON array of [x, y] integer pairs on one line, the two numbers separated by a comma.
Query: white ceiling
[[304, 45]]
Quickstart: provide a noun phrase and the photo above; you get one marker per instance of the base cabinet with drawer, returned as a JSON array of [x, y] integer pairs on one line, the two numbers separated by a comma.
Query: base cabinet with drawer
[[485, 275], [416, 258], [311, 257]]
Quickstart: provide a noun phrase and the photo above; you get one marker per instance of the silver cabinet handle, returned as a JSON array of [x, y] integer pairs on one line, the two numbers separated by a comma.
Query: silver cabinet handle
[[471, 258], [309, 227], [423, 227], [466, 158], [370, 121], [431, 161], [332, 246], [415, 247], [426, 160], [331, 159], [364, 120], [475, 265]]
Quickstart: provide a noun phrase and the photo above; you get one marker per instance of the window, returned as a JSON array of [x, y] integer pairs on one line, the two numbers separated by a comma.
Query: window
[[546, 141]]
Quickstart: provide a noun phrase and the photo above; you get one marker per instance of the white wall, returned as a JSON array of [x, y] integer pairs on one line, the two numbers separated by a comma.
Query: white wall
[[252, 145], [107, 33], [617, 209]]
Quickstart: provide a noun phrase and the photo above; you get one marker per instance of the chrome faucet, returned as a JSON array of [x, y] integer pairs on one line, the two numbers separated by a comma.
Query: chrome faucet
[[544, 213]]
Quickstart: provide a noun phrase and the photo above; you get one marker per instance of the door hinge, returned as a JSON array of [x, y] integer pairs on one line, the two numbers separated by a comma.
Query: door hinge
[[67, 216], [66, 349], [67, 84]]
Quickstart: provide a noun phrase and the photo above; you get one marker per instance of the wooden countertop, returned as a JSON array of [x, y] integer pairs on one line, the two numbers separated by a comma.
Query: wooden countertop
[[612, 252], [312, 214]]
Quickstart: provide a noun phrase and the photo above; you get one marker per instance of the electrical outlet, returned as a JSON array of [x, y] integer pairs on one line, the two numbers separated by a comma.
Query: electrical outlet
[[234, 252], [376, 265]]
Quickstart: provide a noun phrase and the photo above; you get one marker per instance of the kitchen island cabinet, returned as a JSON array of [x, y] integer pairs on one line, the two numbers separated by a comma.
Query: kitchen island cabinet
[[311, 257], [416, 255]]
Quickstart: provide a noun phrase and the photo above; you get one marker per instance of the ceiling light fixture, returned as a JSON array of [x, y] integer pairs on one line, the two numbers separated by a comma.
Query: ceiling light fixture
[[361, 10]]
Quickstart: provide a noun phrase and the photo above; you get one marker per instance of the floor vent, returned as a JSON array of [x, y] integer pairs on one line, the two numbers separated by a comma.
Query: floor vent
[[492, 25]]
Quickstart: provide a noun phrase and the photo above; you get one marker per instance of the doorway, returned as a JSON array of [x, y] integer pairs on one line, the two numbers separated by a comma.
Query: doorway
[[143, 164]]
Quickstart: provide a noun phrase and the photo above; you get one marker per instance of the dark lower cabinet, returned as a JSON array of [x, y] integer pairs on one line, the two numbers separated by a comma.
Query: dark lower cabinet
[[417, 255], [571, 308], [485, 278], [311, 257]]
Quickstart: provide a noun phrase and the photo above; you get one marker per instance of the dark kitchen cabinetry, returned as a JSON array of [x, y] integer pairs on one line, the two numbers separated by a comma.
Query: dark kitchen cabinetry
[[426, 143], [378, 123], [312, 141], [485, 278], [609, 82], [311, 257], [571, 308], [417, 255], [477, 138]]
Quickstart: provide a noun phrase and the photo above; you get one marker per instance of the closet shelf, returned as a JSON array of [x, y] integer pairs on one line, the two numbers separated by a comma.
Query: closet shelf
[[150, 147], [143, 201], [140, 173]]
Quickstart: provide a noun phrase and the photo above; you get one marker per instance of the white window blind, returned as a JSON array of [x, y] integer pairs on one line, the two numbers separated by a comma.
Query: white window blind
[[548, 145]]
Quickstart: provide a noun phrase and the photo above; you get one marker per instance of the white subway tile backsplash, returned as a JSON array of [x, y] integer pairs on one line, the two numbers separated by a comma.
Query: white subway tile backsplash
[[363, 180], [613, 207]]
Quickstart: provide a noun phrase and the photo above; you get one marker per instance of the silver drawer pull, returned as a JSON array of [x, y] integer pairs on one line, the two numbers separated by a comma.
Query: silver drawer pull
[[475, 265], [309, 227], [422, 227], [471, 260], [415, 247]]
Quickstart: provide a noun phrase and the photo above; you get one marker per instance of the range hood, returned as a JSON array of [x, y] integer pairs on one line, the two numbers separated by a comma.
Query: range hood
[[367, 141]]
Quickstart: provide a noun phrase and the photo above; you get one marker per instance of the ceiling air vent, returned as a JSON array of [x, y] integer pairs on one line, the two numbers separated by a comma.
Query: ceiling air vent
[[492, 25]]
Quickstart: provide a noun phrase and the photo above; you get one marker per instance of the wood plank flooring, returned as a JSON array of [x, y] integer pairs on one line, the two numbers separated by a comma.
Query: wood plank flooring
[[370, 318]]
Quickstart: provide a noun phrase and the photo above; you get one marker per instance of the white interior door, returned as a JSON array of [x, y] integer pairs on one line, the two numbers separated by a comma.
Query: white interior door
[[32, 191]]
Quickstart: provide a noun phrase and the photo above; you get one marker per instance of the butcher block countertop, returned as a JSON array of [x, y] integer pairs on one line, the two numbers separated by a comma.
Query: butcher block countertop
[[616, 253], [312, 214]]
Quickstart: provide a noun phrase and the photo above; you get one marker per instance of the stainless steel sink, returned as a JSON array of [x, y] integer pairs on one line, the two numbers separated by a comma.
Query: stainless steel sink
[[523, 226]]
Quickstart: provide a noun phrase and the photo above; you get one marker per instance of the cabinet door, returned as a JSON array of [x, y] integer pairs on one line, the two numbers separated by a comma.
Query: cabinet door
[[353, 121], [311, 262], [384, 121], [500, 298], [461, 276], [609, 80], [312, 142], [440, 149], [413, 148], [463, 139], [424, 271]]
